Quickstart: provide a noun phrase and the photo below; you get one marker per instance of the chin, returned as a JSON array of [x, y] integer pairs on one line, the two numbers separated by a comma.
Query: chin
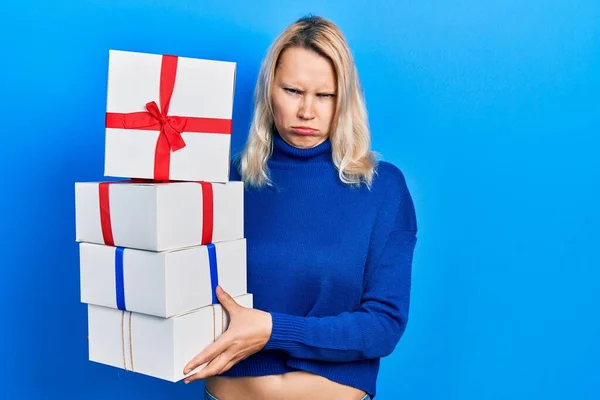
[[305, 142]]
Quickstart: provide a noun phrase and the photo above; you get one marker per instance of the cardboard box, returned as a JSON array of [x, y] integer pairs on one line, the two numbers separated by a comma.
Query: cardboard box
[[162, 284], [168, 117], [154, 346], [158, 216]]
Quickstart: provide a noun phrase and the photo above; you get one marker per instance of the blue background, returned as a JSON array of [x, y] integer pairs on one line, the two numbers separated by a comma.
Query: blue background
[[489, 107]]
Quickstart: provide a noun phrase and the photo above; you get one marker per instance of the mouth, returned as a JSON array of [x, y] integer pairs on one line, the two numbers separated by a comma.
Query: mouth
[[304, 130]]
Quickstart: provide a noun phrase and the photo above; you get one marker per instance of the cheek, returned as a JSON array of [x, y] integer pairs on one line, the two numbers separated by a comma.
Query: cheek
[[331, 108], [279, 109], [328, 110]]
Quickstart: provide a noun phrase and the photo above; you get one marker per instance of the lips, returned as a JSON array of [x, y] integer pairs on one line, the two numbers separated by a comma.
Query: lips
[[303, 130]]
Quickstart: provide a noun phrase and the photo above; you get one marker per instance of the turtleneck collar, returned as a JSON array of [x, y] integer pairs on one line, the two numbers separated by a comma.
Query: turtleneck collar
[[284, 152]]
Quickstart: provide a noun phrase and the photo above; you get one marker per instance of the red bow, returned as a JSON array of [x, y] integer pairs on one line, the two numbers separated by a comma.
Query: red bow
[[170, 127]]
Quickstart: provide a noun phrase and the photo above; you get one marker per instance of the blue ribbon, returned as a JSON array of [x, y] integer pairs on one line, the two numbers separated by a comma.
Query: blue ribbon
[[119, 281], [214, 275]]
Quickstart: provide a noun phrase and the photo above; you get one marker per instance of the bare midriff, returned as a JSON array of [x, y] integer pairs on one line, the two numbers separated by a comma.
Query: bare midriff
[[297, 385]]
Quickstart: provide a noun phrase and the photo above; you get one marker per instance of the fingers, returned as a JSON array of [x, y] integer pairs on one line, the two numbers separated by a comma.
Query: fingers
[[230, 364], [218, 355], [208, 354], [215, 367], [226, 300]]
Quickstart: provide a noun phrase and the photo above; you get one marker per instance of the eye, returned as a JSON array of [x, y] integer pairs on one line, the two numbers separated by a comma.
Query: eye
[[326, 95], [290, 90]]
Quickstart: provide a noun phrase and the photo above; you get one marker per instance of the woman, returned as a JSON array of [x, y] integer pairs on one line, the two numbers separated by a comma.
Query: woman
[[330, 236]]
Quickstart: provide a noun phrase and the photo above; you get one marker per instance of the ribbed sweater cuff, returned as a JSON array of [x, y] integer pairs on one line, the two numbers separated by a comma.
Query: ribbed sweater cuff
[[287, 334]]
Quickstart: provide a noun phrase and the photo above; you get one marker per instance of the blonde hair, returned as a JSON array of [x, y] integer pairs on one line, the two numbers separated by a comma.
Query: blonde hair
[[350, 136]]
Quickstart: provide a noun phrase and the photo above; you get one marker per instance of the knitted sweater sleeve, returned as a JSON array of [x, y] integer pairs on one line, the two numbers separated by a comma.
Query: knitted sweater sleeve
[[375, 327]]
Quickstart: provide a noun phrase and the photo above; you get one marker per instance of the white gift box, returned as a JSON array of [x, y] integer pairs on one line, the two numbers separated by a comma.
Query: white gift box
[[162, 284], [154, 346], [158, 216], [197, 101]]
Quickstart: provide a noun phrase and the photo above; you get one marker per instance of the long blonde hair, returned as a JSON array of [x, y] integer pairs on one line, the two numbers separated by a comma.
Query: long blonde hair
[[350, 136]]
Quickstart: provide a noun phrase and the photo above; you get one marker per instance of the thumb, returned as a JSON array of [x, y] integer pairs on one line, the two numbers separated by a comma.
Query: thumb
[[226, 300]]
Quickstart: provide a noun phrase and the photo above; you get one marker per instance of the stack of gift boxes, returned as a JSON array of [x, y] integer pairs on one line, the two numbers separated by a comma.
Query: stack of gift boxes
[[155, 245]]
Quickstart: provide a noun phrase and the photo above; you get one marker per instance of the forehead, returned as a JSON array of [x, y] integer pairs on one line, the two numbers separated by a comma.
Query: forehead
[[305, 67]]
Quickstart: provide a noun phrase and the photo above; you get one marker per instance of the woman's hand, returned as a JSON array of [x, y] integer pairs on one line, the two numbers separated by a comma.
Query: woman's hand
[[248, 332]]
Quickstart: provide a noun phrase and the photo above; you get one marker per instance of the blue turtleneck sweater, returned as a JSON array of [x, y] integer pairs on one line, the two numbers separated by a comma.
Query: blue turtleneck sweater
[[331, 263]]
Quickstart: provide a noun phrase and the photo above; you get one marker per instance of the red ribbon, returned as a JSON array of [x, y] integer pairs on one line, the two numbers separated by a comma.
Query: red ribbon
[[105, 222], [171, 127], [207, 210]]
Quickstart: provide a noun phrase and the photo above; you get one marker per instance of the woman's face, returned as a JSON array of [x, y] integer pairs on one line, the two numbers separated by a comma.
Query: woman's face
[[303, 95]]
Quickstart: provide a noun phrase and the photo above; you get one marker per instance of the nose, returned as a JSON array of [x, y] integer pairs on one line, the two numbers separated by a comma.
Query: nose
[[306, 110]]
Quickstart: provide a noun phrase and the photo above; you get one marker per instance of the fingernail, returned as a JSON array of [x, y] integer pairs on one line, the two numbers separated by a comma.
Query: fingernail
[[219, 289]]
